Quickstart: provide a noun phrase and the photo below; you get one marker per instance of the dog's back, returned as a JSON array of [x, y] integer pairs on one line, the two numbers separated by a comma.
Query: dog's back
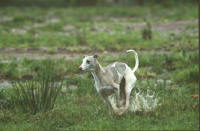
[[116, 70]]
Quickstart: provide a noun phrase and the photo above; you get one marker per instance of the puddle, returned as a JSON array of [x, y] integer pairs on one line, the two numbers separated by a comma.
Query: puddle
[[6, 19], [4, 84], [19, 31], [69, 28], [53, 20]]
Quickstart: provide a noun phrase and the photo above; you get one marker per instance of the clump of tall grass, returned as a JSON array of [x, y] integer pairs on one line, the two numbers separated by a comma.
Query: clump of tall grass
[[81, 36], [40, 93], [2, 99], [147, 31]]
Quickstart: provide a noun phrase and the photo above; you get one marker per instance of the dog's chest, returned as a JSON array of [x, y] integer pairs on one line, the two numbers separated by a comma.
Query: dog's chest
[[104, 89], [102, 86]]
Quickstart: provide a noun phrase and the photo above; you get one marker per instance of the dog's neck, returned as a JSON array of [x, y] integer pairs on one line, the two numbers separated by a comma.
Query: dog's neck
[[98, 73], [99, 68]]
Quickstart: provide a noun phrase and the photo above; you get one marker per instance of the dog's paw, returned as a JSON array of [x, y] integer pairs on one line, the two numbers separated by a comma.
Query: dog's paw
[[118, 104], [119, 111]]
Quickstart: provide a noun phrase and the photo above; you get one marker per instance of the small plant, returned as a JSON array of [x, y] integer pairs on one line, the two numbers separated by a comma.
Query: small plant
[[8, 70], [51, 51], [81, 37], [2, 98], [147, 31], [5, 102], [39, 94]]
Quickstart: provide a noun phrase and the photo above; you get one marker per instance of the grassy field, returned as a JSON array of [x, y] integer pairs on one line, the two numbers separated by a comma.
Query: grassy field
[[168, 64]]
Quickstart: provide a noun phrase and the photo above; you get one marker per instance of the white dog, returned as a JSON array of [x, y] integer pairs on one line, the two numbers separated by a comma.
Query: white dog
[[116, 78]]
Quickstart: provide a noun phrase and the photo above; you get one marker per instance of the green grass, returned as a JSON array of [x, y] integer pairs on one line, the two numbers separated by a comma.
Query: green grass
[[40, 93], [175, 62], [32, 26], [170, 56], [83, 108]]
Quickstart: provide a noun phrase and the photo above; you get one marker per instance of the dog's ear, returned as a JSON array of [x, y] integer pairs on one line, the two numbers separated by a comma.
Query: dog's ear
[[95, 56], [84, 56]]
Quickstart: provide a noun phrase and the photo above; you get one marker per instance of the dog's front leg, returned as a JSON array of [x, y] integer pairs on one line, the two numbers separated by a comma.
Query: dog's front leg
[[117, 92], [106, 100]]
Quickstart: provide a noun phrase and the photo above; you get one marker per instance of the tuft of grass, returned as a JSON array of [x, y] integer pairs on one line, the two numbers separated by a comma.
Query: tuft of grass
[[39, 94], [147, 31], [3, 101], [81, 37], [51, 51], [8, 70], [190, 74]]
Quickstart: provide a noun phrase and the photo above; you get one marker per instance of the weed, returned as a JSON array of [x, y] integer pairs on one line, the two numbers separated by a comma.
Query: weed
[[81, 37], [3, 100], [39, 94], [147, 32], [8, 70]]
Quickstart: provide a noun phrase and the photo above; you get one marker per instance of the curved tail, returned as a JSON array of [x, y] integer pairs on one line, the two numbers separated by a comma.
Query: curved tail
[[136, 59]]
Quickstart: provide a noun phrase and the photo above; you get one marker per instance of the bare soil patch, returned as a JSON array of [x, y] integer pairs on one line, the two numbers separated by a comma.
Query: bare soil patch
[[69, 53], [165, 26]]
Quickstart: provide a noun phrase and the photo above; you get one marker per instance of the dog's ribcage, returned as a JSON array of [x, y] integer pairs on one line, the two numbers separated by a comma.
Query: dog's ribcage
[[113, 71]]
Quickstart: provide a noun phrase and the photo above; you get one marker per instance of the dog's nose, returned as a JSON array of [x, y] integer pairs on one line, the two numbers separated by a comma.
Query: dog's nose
[[80, 68]]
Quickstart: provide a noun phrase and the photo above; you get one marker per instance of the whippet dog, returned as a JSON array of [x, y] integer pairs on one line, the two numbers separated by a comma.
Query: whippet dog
[[115, 78]]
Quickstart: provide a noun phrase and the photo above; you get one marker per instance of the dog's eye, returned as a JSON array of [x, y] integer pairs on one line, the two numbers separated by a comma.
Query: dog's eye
[[88, 62]]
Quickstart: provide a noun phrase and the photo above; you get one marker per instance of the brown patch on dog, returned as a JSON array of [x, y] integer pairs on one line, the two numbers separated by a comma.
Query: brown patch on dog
[[115, 75]]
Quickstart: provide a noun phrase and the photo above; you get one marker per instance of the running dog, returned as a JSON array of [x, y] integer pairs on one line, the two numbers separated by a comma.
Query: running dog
[[115, 78]]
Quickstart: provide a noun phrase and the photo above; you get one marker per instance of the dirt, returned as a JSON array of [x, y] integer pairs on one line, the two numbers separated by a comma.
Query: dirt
[[42, 53], [7, 54], [70, 53], [165, 26]]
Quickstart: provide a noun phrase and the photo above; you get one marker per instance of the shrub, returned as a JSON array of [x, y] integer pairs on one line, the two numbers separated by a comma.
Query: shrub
[[8, 70], [40, 93], [5, 101], [190, 74], [2, 98]]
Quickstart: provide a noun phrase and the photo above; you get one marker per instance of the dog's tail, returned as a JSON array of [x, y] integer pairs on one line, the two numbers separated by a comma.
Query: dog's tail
[[136, 59]]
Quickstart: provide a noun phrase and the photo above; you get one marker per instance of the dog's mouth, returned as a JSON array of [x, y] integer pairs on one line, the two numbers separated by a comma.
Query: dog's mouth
[[81, 69], [84, 70]]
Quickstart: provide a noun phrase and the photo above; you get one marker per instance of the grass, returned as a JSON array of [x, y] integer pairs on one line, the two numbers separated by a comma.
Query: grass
[[176, 62], [168, 65], [40, 93], [77, 109], [57, 27]]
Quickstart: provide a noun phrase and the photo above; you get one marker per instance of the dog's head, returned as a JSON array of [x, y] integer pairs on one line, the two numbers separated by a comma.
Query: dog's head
[[89, 63]]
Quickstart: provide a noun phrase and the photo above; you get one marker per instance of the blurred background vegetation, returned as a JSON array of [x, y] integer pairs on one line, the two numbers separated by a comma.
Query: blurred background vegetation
[[35, 32], [65, 3]]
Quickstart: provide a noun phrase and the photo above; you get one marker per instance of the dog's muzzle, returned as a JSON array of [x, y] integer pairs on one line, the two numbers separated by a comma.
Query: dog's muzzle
[[80, 68]]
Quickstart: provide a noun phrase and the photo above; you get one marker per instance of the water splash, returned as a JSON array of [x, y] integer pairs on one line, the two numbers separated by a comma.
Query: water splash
[[142, 101], [139, 101]]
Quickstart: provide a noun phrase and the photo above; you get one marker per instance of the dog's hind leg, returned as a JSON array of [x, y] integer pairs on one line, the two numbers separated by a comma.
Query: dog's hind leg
[[117, 92], [128, 88], [122, 91]]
